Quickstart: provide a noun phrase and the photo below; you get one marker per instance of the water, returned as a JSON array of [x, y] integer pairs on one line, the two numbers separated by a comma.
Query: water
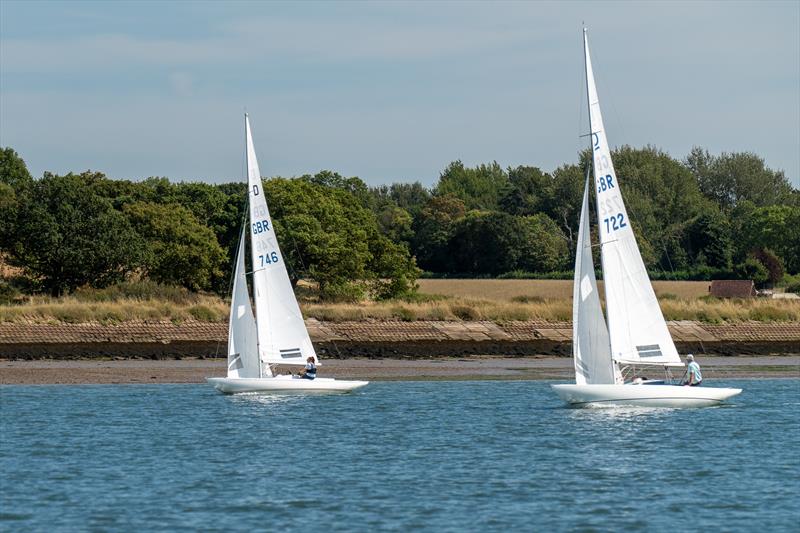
[[443, 456]]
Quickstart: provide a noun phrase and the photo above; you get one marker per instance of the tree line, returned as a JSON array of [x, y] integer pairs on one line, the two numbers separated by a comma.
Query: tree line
[[706, 216]]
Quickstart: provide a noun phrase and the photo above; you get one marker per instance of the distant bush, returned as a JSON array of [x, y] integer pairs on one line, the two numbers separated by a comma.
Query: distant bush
[[204, 313], [523, 299], [9, 294], [465, 312], [342, 292]]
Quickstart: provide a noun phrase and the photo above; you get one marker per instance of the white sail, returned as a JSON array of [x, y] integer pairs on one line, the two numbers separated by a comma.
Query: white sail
[[282, 334], [590, 343], [242, 341], [636, 327]]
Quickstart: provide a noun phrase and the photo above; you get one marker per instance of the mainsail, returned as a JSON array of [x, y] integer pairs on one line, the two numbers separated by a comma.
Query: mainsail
[[636, 327], [282, 334], [590, 346], [242, 342]]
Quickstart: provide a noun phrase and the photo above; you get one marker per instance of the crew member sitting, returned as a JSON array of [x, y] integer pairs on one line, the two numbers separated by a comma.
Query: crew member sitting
[[693, 375], [310, 371]]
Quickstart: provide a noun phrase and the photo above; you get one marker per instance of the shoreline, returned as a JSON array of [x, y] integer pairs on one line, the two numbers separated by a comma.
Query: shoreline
[[482, 367]]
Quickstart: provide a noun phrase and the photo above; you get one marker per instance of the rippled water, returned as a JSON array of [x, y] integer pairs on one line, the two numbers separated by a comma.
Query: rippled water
[[397, 456]]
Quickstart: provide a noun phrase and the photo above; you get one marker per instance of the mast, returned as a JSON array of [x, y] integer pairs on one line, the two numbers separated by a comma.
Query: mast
[[250, 235]]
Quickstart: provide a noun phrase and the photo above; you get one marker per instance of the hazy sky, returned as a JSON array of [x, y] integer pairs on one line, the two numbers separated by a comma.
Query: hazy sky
[[388, 91]]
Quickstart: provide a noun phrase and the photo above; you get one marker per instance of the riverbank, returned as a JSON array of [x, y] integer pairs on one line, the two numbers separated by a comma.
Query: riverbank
[[74, 372], [371, 339]]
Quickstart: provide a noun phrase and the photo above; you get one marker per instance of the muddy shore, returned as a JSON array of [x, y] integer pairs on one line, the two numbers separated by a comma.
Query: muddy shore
[[130, 371]]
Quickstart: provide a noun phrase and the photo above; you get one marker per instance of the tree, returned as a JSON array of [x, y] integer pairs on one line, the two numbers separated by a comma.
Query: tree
[[327, 235], [771, 262], [660, 193], [478, 188], [544, 247], [728, 179], [775, 227], [528, 192], [495, 243], [13, 171], [432, 230], [409, 196], [709, 235], [180, 250], [395, 222], [67, 235]]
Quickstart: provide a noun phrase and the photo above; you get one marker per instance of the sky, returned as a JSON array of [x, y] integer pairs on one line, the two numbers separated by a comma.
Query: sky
[[388, 91]]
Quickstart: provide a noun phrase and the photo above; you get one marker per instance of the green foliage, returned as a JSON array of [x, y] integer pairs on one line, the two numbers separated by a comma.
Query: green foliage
[[479, 187], [752, 269], [494, 243], [432, 230], [692, 220], [180, 250], [728, 179], [411, 197], [328, 236], [774, 227], [660, 195], [771, 262], [67, 235], [707, 240], [13, 171]]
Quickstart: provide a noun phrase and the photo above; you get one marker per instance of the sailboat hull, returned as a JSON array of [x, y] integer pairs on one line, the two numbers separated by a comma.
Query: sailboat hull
[[643, 395], [283, 384]]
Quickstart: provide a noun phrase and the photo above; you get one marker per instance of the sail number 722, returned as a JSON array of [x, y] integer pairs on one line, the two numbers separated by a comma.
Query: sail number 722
[[615, 222]]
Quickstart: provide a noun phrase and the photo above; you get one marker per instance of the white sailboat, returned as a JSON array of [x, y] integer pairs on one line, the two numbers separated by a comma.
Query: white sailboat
[[636, 336], [276, 334]]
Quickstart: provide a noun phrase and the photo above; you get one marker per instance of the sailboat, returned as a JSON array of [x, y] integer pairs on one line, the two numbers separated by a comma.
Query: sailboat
[[608, 356], [276, 334]]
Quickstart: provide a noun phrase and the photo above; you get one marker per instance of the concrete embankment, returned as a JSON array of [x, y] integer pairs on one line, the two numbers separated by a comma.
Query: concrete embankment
[[372, 339]]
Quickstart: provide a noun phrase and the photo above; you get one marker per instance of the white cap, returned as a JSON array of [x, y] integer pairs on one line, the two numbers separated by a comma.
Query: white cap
[[690, 357]]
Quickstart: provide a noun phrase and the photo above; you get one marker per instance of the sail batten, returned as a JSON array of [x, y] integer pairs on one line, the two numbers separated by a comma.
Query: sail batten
[[634, 316]]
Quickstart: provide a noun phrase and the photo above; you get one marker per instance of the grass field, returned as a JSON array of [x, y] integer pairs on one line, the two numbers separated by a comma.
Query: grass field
[[495, 300], [545, 289]]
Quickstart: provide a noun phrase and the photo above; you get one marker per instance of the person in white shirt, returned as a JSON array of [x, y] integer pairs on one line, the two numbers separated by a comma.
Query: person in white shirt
[[693, 375]]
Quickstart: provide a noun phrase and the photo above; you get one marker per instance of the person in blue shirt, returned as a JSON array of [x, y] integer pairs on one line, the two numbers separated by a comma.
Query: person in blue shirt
[[693, 375], [310, 371]]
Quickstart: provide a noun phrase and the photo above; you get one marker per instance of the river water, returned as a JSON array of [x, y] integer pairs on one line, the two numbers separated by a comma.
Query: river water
[[394, 456]]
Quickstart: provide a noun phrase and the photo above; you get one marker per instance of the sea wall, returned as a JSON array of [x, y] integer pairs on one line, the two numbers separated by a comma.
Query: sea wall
[[379, 339]]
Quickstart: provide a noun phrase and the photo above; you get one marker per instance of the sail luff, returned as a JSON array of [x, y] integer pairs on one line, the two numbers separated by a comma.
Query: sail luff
[[636, 326]]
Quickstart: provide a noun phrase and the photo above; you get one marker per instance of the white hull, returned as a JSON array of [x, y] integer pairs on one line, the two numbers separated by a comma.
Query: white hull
[[643, 395], [283, 384]]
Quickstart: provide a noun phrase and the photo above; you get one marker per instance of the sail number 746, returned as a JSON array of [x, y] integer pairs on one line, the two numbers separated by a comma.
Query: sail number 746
[[615, 222], [268, 259]]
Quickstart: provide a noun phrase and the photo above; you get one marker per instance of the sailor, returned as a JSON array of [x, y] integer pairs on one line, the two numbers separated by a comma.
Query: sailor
[[310, 371], [693, 375]]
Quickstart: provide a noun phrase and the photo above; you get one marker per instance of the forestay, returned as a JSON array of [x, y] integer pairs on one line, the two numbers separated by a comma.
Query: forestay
[[282, 334], [242, 342], [637, 330], [590, 346]]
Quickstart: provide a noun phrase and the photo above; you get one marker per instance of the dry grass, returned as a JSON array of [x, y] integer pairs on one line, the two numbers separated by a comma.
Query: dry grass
[[494, 300], [700, 310], [541, 289], [72, 310]]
